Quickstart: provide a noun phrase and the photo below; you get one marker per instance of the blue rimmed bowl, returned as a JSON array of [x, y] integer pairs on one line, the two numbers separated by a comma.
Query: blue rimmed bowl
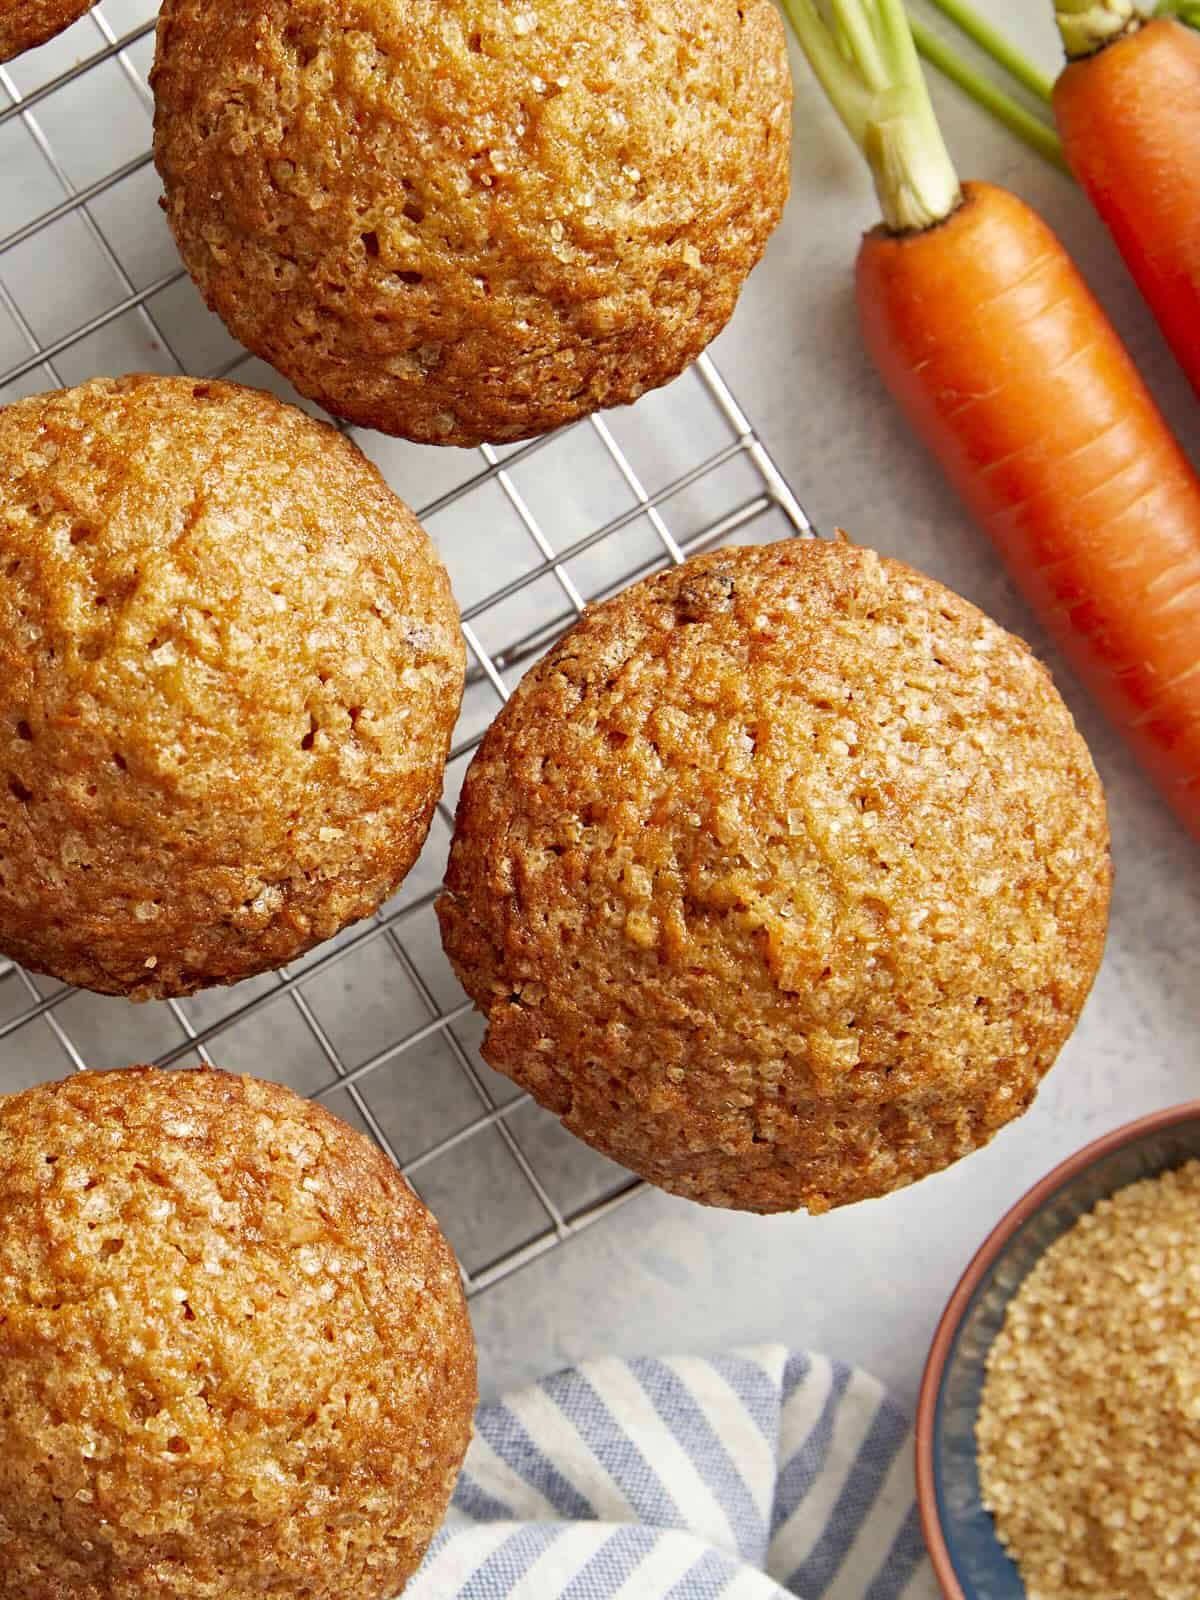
[[967, 1556]]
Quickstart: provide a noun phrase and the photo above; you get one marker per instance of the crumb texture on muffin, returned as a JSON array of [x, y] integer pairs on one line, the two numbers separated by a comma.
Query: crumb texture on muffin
[[27, 23], [782, 878], [235, 1358], [468, 222], [230, 665], [1089, 1421]]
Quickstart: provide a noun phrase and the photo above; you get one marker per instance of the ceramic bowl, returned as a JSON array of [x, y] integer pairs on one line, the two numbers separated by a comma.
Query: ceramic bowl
[[967, 1557]]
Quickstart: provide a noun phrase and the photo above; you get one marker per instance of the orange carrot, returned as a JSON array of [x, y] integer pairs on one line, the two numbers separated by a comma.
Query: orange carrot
[[1018, 384], [1129, 117]]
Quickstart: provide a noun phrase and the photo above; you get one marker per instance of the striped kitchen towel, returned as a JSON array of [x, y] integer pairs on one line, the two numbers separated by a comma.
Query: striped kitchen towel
[[761, 1475]]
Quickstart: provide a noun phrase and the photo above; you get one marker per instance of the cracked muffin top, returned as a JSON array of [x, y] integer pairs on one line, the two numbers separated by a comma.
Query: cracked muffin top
[[235, 1358], [230, 664], [462, 222], [782, 878]]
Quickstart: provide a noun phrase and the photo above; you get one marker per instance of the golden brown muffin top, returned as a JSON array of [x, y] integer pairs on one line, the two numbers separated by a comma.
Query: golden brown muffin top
[[782, 877], [235, 1359], [465, 221], [26, 23], [230, 664]]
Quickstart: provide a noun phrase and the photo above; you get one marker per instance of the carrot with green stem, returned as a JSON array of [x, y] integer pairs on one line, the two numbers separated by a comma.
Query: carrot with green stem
[[1014, 378], [1128, 113]]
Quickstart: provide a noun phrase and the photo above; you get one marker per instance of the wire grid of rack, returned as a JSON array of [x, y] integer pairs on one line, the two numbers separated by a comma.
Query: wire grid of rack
[[372, 1024]]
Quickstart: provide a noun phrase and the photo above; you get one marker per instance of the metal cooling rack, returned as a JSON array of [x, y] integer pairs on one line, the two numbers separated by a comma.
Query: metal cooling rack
[[373, 1024]]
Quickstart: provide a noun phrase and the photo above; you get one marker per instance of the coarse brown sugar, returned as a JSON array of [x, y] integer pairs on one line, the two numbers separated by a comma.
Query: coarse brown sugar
[[1089, 1422]]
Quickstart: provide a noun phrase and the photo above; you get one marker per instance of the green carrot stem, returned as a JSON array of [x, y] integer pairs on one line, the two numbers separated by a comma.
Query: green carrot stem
[[1088, 25], [993, 43], [1032, 130], [1186, 10], [867, 64]]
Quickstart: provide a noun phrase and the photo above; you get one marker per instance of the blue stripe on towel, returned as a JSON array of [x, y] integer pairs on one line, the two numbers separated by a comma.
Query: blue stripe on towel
[[908, 1549], [477, 1503], [612, 1565], [756, 1390], [679, 1411], [795, 1372], [879, 1449], [589, 1414], [516, 1449], [706, 1580], [499, 1575], [804, 1467]]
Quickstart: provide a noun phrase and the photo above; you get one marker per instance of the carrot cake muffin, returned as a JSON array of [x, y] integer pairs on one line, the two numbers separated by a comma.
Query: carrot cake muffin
[[26, 23], [461, 222], [782, 878], [230, 664], [235, 1359]]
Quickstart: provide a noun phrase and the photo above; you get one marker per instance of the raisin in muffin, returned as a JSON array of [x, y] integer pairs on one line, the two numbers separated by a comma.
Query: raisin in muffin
[[782, 878]]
